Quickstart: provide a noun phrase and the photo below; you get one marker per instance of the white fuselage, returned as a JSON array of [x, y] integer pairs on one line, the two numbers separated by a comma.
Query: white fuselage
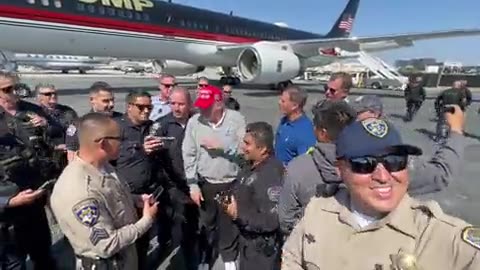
[[28, 36]]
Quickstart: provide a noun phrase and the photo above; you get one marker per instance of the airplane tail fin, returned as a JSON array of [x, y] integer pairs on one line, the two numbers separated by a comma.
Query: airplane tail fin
[[344, 24]]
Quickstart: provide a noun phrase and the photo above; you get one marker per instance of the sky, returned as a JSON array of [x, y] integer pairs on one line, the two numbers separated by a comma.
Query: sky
[[374, 17]]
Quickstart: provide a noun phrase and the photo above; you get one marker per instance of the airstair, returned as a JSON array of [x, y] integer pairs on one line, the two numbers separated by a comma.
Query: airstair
[[386, 76]]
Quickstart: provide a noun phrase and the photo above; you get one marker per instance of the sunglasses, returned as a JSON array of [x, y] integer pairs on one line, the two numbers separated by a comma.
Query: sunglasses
[[168, 85], [329, 89], [202, 85], [367, 165], [8, 90], [142, 107], [48, 94], [116, 138]]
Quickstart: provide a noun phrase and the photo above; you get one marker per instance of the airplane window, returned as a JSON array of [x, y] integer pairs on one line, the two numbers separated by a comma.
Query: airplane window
[[189, 24], [91, 8], [121, 14], [206, 27], [146, 17], [45, 3], [57, 3], [31, 2], [182, 23], [80, 7], [129, 14], [111, 11], [138, 16], [169, 18], [195, 25], [217, 28], [101, 10]]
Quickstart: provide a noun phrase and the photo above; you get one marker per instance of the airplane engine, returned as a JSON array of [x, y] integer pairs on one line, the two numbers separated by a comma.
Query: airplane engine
[[7, 61], [176, 68], [266, 64]]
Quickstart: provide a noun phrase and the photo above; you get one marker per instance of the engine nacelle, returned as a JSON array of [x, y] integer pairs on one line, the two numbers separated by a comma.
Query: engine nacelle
[[176, 68], [266, 64], [7, 61]]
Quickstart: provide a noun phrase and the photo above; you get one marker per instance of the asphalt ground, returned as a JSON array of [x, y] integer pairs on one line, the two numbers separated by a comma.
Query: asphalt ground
[[462, 198]]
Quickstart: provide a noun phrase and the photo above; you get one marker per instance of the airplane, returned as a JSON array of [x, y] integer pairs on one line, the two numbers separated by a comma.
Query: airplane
[[263, 53], [65, 63]]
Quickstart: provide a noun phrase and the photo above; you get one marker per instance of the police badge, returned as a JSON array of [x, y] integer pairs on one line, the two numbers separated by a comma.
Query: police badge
[[471, 235], [87, 212], [71, 130], [375, 127]]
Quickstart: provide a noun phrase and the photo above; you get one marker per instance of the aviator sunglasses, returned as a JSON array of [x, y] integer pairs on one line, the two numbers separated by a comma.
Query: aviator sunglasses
[[367, 165]]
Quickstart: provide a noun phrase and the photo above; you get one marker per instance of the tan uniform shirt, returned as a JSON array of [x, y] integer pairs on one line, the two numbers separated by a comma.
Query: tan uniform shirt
[[328, 237], [96, 212]]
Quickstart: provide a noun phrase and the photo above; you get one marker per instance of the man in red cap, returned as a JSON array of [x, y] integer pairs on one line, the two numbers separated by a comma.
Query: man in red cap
[[211, 145]]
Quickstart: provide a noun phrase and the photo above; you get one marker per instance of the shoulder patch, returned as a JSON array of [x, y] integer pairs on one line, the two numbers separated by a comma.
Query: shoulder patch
[[375, 127], [87, 212], [310, 150], [471, 235], [71, 130], [98, 234], [274, 193]]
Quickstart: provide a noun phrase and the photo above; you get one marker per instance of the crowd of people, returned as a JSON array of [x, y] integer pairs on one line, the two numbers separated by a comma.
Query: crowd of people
[[336, 191]]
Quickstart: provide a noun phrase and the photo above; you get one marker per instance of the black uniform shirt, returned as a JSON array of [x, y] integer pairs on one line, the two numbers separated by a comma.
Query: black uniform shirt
[[172, 153], [452, 96], [415, 93], [133, 165], [257, 191], [61, 116], [71, 138], [232, 104]]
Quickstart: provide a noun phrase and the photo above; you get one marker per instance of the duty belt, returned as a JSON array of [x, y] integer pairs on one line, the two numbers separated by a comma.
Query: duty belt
[[86, 263]]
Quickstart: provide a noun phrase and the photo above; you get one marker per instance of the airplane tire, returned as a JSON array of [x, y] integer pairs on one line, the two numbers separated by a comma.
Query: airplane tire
[[282, 85], [223, 80]]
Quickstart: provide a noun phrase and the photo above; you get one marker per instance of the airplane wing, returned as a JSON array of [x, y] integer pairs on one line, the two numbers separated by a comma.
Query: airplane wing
[[309, 48]]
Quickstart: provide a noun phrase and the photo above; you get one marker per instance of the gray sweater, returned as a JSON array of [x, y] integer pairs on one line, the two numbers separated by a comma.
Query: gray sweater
[[215, 166]]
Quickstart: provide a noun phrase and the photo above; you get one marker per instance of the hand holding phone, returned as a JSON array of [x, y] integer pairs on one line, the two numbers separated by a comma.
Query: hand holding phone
[[157, 193], [48, 185]]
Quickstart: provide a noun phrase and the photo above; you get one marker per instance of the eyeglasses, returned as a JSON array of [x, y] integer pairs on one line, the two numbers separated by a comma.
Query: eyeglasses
[[49, 94], [329, 89], [202, 85], [167, 85], [116, 138], [367, 165], [142, 107], [8, 90]]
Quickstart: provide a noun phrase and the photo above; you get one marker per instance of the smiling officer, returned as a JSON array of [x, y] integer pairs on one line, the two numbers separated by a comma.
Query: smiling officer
[[373, 223]]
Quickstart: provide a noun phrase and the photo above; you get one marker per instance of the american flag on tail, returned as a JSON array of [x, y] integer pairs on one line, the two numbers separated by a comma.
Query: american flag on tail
[[346, 23]]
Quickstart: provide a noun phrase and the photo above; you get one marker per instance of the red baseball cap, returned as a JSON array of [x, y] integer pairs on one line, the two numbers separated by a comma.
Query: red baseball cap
[[207, 96]]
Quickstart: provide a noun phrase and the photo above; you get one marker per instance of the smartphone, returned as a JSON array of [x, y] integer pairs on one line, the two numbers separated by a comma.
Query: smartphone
[[166, 138], [157, 193], [48, 184]]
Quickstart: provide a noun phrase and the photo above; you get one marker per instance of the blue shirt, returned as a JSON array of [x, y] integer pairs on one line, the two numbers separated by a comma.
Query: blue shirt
[[293, 138], [160, 108]]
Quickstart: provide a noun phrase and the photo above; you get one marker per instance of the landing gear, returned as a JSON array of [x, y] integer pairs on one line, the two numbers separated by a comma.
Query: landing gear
[[281, 85], [230, 80], [229, 77]]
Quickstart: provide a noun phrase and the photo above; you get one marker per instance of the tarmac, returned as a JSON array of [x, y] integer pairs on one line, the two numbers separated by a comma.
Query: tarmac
[[461, 198]]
